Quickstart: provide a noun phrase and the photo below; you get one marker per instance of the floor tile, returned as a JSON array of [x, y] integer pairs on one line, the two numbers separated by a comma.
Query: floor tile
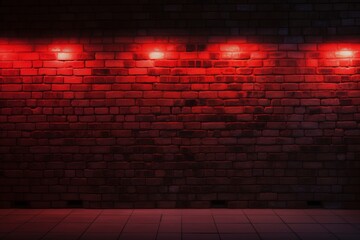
[[105, 227], [168, 236], [318, 212], [278, 236], [231, 219], [351, 218], [297, 219], [197, 219], [112, 219], [346, 212], [270, 228], [171, 212], [258, 211], [200, 237], [216, 212], [196, 212], [70, 228], [138, 236], [239, 236], [16, 218], [143, 227], [316, 236], [307, 228], [170, 227], [79, 218], [23, 235], [62, 236], [44, 218], [264, 219], [235, 228], [100, 236], [88, 212], [56, 211], [199, 228], [117, 212], [341, 228], [144, 219], [35, 227], [170, 219], [6, 211], [291, 212], [348, 236], [329, 219], [150, 212], [8, 227], [27, 211]]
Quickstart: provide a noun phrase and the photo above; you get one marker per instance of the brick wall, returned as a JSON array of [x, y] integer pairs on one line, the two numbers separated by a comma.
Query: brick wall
[[175, 104]]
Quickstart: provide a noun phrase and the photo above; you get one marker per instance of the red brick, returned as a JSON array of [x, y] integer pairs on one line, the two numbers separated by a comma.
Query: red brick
[[11, 87], [29, 56], [47, 71], [22, 64], [28, 71], [94, 63], [10, 72], [104, 55]]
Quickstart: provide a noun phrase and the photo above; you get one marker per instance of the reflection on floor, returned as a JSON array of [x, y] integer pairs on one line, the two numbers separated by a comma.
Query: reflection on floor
[[179, 224]]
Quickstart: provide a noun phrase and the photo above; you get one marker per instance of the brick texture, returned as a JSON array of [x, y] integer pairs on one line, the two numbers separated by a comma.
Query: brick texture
[[179, 104]]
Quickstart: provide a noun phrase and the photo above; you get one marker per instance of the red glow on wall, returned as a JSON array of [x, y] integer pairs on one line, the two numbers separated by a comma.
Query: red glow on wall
[[66, 52], [230, 51], [345, 54], [156, 55], [64, 56]]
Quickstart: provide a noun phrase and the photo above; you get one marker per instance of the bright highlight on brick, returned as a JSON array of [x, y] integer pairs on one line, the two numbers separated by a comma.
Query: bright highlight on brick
[[156, 55], [345, 54]]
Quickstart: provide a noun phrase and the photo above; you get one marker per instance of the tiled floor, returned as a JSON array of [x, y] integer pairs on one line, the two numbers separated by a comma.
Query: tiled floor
[[180, 224]]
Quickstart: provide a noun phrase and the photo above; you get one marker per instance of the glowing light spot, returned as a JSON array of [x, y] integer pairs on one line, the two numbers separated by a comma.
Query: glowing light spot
[[64, 56], [230, 51], [344, 54], [55, 49], [229, 48], [156, 55]]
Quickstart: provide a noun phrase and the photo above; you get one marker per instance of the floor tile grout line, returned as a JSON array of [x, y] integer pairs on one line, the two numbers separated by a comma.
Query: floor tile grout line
[[157, 232], [341, 217], [82, 234], [286, 224], [321, 224], [245, 214], [33, 216], [346, 221], [217, 229], [57, 224], [311, 216], [181, 226], [126, 222]]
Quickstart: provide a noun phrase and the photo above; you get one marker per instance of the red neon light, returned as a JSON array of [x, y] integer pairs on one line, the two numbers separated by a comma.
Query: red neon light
[[344, 54], [156, 55]]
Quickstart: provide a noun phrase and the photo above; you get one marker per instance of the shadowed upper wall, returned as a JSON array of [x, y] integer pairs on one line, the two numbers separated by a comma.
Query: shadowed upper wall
[[292, 21]]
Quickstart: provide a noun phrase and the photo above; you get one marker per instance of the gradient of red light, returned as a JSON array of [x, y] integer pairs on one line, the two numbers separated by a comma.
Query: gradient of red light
[[156, 55]]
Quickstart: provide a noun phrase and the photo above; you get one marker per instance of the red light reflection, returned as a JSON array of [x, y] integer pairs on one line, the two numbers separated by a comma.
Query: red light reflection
[[156, 55], [345, 54]]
